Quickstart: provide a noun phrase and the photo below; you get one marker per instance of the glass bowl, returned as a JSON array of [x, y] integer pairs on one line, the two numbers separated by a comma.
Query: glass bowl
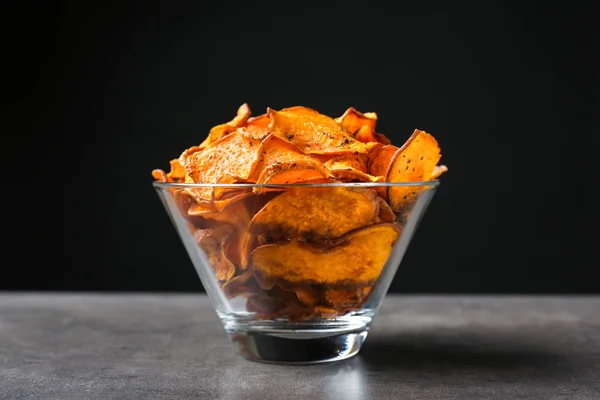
[[296, 272]]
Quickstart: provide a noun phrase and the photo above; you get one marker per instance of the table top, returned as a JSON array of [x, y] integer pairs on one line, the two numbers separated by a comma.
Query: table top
[[153, 346]]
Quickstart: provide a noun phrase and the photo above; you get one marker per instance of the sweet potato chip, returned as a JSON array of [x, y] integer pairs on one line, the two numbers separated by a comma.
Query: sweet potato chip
[[314, 133], [238, 247], [160, 175], [235, 212], [438, 170], [264, 307], [380, 159], [359, 125], [325, 312], [211, 241], [326, 212], [386, 213], [379, 163], [234, 155], [413, 162], [347, 299], [350, 168], [243, 285], [280, 162], [258, 126], [355, 259], [219, 131], [305, 293]]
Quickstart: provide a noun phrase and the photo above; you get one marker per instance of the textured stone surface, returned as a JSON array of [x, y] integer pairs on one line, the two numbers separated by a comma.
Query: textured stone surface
[[160, 346]]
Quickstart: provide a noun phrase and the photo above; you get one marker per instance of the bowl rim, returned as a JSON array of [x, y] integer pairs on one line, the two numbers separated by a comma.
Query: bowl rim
[[165, 185]]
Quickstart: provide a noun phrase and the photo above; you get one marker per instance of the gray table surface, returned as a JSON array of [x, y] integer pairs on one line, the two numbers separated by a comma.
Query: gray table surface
[[155, 346]]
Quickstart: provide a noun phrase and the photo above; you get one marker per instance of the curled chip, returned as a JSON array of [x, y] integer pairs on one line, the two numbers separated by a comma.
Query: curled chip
[[350, 168], [211, 241], [413, 162], [385, 211], [354, 259], [347, 299], [359, 125], [258, 127], [243, 285], [295, 244], [438, 170], [219, 131], [282, 163], [326, 212], [314, 133]]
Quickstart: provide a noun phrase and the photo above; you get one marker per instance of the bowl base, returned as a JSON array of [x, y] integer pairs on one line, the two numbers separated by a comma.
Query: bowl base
[[283, 342]]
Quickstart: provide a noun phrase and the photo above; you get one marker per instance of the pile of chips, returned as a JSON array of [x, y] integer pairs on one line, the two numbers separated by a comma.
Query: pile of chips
[[296, 250]]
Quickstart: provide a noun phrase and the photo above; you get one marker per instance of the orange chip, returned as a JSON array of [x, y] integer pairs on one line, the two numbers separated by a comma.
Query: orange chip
[[263, 306], [211, 241], [413, 162], [243, 285], [325, 312], [381, 138], [350, 168], [385, 211], [281, 162], [314, 133], [200, 209], [160, 175], [326, 212], [355, 259], [438, 170], [359, 125], [345, 300], [219, 131], [233, 211], [305, 293], [258, 126], [378, 165], [231, 157], [238, 247], [380, 159], [178, 172]]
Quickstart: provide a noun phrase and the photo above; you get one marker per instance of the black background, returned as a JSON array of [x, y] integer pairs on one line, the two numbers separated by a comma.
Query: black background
[[99, 95]]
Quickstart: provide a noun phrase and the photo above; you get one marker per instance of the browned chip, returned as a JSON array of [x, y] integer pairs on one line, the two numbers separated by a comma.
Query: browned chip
[[264, 307], [378, 165], [316, 212], [379, 160], [219, 131], [350, 167], [238, 247], [235, 212], [385, 211], [242, 285], [211, 241], [345, 300], [413, 162], [314, 133], [359, 125], [281, 162], [355, 259], [305, 293]]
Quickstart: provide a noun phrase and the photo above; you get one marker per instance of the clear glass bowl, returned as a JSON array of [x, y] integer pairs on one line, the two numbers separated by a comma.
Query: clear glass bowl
[[296, 272]]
